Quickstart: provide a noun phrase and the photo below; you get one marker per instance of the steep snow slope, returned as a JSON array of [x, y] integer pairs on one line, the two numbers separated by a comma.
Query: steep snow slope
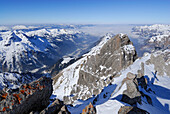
[[35, 50]]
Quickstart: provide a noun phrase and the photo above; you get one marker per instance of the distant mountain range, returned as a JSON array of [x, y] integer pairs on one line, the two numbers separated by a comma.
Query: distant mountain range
[[34, 50]]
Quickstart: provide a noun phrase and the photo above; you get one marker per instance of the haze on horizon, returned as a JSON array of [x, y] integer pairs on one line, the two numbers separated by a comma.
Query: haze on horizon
[[84, 11]]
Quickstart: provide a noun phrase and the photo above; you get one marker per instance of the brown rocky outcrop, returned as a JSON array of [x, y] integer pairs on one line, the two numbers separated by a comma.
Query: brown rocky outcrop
[[29, 97], [89, 109]]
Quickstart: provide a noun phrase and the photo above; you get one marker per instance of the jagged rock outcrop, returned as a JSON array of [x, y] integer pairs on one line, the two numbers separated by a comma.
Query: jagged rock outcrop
[[96, 69], [89, 109], [116, 54], [29, 97], [57, 107], [131, 110], [132, 94]]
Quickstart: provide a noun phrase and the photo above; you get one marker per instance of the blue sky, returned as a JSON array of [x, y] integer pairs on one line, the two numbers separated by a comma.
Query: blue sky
[[84, 11]]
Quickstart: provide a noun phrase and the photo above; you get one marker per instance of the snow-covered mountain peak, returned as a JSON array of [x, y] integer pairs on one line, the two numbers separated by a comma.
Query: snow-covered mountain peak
[[40, 33], [96, 50], [121, 35]]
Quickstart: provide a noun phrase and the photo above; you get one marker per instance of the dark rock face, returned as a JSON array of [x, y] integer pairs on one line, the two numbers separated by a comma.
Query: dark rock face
[[57, 107], [89, 109], [131, 110], [29, 97]]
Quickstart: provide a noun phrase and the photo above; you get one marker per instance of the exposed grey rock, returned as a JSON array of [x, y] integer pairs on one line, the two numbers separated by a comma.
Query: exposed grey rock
[[113, 57], [113, 54], [161, 62], [132, 94], [29, 97], [131, 110], [57, 107]]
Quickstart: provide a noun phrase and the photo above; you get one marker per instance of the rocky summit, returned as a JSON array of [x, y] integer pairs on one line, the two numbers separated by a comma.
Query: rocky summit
[[96, 69]]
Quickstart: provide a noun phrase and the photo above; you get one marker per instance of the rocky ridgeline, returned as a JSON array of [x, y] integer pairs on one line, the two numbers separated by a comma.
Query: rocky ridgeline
[[29, 97]]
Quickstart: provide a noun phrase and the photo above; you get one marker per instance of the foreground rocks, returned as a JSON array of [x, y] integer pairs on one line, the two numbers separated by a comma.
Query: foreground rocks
[[131, 110], [132, 94], [57, 107], [89, 109], [29, 97]]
